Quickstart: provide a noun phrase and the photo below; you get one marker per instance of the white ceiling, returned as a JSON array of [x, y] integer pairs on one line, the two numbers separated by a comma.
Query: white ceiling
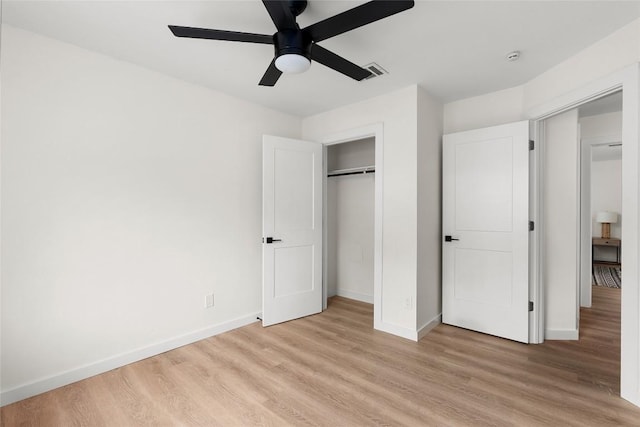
[[453, 49]]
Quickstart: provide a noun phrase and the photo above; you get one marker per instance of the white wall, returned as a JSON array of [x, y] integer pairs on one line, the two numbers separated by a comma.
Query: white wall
[[429, 158], [602, 125], [482, 111], [398, 112], [560, 222], [606, 195], [127, 196], [352, 154], [352, 230]]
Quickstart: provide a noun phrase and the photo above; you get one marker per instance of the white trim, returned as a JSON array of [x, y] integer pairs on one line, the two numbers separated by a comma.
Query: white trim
[[355, 296], [561, 334], [614, 138], [594, 90], [584, 275], [325, 228], [628, 80], [397, 330], [536, 289], [427, 327], [375, 130], [89, 370], [578, 222]]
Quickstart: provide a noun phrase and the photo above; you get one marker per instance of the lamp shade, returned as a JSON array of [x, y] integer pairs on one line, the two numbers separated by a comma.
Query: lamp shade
[[292, 63], [607, 217]]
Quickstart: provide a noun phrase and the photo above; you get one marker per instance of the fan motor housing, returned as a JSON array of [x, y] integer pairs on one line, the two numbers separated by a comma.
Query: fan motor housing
[[292, 42], [297, 6]]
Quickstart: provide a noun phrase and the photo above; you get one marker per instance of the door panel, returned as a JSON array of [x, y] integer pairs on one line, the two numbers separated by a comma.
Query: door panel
[[484, 193], [483, 276], [293, 270], [485, 211], [292, 217], [293, 204]]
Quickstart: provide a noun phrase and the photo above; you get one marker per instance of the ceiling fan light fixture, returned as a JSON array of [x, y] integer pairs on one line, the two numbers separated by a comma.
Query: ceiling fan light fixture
[[292, 63]]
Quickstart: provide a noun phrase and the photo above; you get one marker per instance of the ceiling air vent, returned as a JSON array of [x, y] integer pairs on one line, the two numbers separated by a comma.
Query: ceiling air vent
[[376, 70]]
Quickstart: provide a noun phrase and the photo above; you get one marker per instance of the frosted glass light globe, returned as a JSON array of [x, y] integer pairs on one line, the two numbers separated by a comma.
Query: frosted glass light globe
[[292, 64]]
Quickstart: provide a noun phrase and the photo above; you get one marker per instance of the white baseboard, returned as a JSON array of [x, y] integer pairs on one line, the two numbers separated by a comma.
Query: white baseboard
[[396, 330], [561, 334], [424, 330], [82, 372], [408, 333], [355, 295]]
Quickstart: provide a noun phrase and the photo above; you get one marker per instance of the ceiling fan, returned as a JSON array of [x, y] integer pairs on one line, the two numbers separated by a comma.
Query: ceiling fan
[[295, 47]]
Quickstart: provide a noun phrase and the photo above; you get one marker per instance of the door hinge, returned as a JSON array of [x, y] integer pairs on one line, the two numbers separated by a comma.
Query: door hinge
[[532, 226], [530, 305], [532, 144]]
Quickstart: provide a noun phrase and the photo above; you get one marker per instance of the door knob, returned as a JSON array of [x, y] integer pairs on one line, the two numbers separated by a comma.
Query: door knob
[[449, 239], [271, 240]]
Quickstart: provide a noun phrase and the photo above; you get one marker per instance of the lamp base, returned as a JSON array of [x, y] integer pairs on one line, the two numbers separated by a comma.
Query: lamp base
[[606, 230]]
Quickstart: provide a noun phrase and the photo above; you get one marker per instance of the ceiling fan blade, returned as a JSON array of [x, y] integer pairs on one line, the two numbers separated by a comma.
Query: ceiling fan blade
[[280, 14], [207, 33], [271, 76], [338, 63], [356, 17]]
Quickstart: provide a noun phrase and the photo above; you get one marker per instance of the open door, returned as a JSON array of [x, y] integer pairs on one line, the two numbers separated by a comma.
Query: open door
[[292, 229], [485, 230]]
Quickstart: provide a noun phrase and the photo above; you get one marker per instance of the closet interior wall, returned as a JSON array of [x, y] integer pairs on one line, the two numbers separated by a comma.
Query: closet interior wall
[[350, 220]]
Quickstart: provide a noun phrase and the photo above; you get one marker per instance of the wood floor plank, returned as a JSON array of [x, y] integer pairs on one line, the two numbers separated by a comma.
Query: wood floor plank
[[334, 369]]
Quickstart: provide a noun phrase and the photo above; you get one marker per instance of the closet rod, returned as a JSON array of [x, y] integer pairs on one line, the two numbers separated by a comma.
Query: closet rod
[[364, 172]]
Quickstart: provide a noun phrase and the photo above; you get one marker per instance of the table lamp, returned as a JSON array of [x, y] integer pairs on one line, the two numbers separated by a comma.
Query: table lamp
[[606, 219]]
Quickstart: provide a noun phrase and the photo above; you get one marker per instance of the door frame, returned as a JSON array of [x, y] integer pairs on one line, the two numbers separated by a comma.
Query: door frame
[[377, 132], [627, 80]]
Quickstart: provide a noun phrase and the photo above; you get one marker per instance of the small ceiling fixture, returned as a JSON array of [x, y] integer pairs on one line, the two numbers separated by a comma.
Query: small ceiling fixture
[[513, 56]]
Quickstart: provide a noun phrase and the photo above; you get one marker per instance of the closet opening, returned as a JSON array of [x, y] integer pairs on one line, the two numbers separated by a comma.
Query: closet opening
[[350, 219]]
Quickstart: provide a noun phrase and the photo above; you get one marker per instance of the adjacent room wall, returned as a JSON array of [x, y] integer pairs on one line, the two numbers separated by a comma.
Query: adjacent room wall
[[602, 125], [127, 197], [606, 175], [606, 195]]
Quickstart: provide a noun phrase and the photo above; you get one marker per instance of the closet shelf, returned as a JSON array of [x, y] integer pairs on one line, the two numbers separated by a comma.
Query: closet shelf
[[352, 171]]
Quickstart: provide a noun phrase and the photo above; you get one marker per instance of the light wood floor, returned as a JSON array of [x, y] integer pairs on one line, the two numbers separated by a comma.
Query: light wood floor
[[334, 369]]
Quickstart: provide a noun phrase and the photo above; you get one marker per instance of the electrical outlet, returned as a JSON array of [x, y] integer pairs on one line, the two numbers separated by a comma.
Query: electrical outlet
[[208, 301]]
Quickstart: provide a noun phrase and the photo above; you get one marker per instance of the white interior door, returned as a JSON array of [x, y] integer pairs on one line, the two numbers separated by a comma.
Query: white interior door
[[292, 229], [486, 216]]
